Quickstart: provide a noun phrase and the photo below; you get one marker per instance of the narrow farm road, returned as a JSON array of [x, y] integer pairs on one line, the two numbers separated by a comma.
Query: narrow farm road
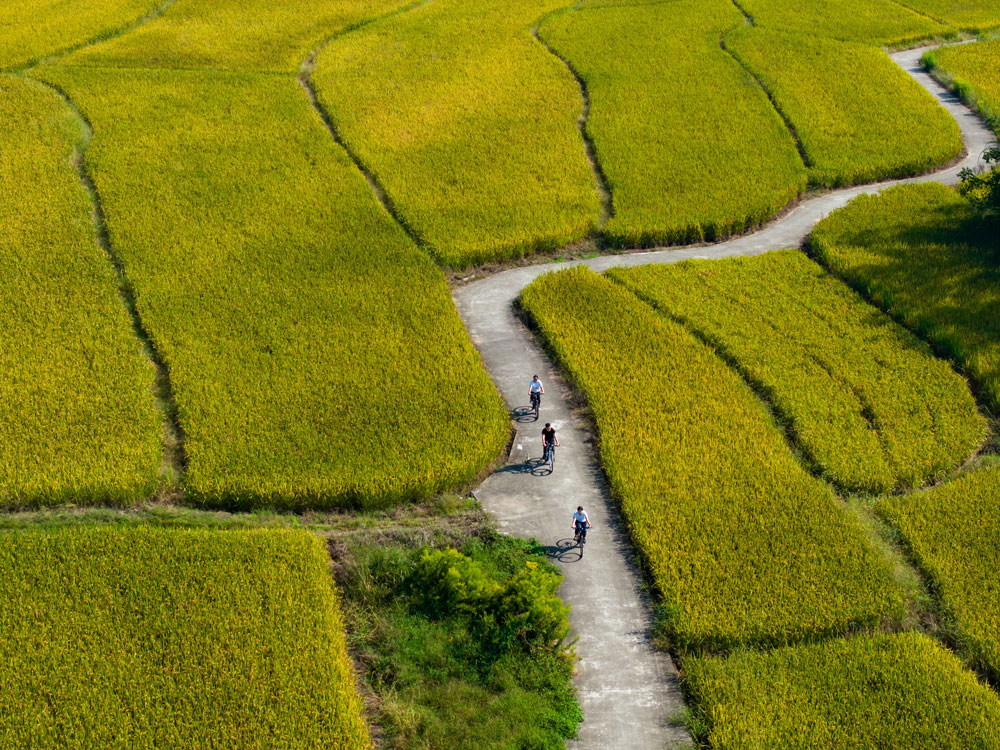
[[628, 690]]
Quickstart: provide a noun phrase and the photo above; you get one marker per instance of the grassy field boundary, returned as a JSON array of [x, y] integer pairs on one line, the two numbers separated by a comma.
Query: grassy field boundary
[[965, 90]]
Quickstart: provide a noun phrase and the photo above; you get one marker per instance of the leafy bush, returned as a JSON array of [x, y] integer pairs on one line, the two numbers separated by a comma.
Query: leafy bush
[[859, 117], [316, 355], [919, 252], [982, 188], [865, 399], [469, 124], [80, 423], [894, 692], [954, 533], [690, 145], [744, 545], [150, 638]]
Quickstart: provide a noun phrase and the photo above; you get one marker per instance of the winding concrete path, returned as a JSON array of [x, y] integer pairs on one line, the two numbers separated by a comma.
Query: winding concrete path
[[628, 690]]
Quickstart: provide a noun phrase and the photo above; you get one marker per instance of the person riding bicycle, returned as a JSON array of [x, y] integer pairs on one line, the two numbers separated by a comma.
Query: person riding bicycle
[[535, 391], [580, 522], [548, 439]]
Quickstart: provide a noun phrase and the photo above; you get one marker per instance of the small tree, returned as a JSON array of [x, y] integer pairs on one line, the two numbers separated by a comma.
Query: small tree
[[982, 187]]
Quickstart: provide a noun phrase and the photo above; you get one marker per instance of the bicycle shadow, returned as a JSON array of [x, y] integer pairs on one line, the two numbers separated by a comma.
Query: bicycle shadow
[[536, 467], [523, 414], [564, 551]]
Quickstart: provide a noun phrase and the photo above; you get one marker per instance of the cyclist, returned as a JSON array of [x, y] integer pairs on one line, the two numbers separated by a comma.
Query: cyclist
[[548, 438], [580, 522], [535, 391]]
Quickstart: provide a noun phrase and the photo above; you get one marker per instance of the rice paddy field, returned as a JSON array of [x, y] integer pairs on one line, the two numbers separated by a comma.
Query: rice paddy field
[[973, 70]]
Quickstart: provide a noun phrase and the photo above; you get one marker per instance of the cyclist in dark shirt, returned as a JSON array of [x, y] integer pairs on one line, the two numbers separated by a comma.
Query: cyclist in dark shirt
[[548, 438]]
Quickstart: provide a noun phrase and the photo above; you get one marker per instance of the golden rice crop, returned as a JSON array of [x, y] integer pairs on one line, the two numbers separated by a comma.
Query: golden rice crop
[[881, 22], [690, 145], [316, 355], [917, 252], [865, 399], [974, 71], [470, 125], [35, 29], [745, 545], [893, 692], [974, 16], [146, 638], [233, 34], [953, 532], [80, 422], [858, 116]]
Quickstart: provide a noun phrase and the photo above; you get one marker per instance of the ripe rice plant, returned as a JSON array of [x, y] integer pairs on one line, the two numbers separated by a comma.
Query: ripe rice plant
[[470, 125], [866, 400], [690, 146], [34, 29], [973, 71], [918, 252], [858, 116], [81, 423], [893, 692], [953, 532], [744, 545], [975, 16], [249, 35], [879, 22], [151, 638], [316, 355]]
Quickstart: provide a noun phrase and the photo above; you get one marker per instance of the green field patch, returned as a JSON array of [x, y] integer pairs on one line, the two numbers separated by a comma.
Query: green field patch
[[973, 70], [151, 638], [864, 398], [248, 35], [859, 117], [81, 421], [691, 147], [879, 22], [918, 252], [953, 532], [974, 16], [316, 355], [894, 692], [744, 545], [469, 124]]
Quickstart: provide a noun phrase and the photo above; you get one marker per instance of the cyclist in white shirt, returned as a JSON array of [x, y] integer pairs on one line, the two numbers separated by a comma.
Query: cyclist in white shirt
[[535, 391], [580, 521]]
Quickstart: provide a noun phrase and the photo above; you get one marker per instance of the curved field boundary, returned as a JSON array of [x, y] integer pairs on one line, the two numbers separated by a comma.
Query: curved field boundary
[[627, 689]]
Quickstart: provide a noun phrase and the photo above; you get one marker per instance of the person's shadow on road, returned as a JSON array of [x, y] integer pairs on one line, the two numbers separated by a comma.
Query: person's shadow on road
[[564, 551], [536, 467], [523, 414]]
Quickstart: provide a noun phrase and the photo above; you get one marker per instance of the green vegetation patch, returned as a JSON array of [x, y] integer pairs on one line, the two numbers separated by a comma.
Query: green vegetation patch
[[150, 638], [954, 534], [859, 117], [462, 648], [81, 422], [974, 16], [316, 355], [743, 543], [895, 692], [690, 145], [469, 124], [865, 399], [919, 252], [973, 70]]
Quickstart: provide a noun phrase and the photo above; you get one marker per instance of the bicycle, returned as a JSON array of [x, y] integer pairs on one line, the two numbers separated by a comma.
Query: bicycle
[[550, 456], [536, 402], [580, 537]]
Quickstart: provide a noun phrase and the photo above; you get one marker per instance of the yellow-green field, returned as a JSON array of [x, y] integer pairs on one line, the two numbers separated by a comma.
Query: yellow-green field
[[954, 534], [974, 16], [859, 117], [690, 145], [974, 71], [866, 400], [744, 545], [895, 692], [918, 252], [152, 638], [80, 421]]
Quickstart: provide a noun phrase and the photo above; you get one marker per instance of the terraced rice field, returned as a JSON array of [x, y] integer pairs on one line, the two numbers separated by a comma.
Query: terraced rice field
[[77, 389], [974, 71], [974, 16], [745, 546], [146, 638], [865, 400], [917, 252]]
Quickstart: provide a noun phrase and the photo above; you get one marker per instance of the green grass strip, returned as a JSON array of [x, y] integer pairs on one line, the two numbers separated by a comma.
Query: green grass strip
[[918, 252], [150, 638], [859, 117], [745, 545], [81, 421], [893, 692], [315, 352], [954, 534], [866, 400], [690, 145]]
